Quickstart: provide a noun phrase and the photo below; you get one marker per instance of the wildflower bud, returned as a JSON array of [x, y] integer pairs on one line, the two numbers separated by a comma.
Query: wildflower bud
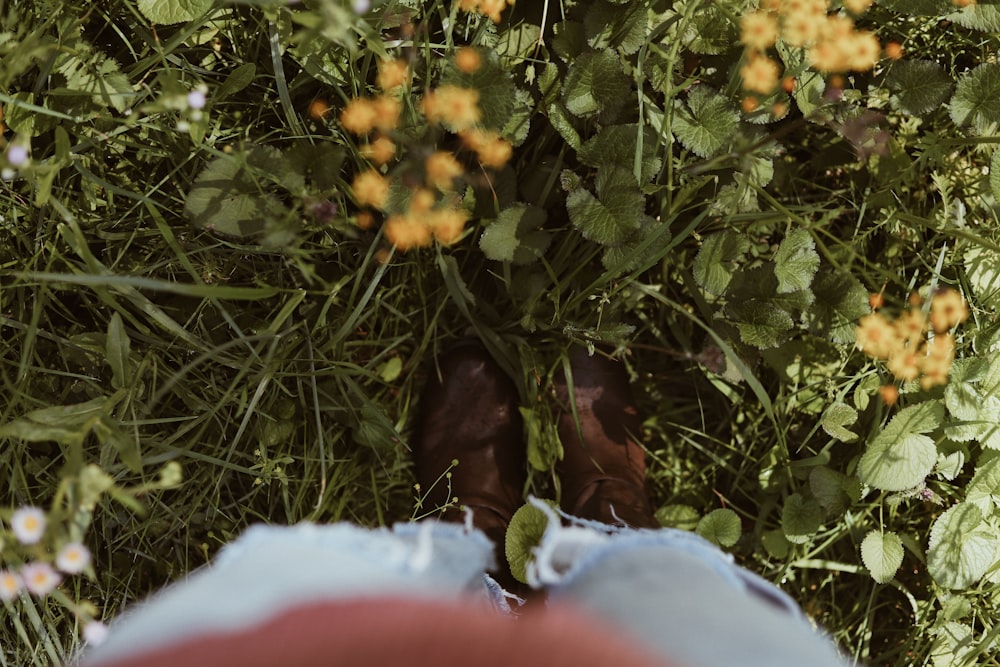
[[890, 394], [467, 59]]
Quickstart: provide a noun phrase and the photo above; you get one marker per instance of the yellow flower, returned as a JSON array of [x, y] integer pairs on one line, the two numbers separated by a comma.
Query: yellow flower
[[863, 52], [442, 170], [392, 74], [758, 30], [904, 363], [828, 56], [911, 326], [801, 28], [370, 188], [875, 336], [379, 151], [453, 106], [858, 6], [760, 74], [359, 116], [387, 110], [948, 309], [491, 8], [492, 150], [407, 231], [468, 60], [447, 224], [421, 202]]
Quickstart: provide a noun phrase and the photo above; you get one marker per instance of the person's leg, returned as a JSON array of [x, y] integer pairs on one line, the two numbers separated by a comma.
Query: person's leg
[[671, 589], [269, 569], [470, 428]]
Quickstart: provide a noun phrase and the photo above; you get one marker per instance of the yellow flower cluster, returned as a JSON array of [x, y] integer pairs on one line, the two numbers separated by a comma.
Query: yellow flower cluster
[[433, 211], [425, 219], [490, 8], [832, 42], [904, 344]]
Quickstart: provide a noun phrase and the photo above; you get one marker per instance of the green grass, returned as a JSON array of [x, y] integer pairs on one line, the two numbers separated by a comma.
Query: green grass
[[283, 378]]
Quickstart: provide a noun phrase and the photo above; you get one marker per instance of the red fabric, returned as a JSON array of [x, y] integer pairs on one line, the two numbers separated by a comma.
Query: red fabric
[[387, 632]]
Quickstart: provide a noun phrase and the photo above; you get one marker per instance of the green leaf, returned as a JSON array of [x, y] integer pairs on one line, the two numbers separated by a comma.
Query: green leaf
[[617, 145], [682, 517], [900, 457], [984, 16], [982, 269], [977, 97], [716, 261], [882, 554], [801, 518], [707, 124], [840, 300], [238, 79], [761, 323], [961, 547], [643, 249], [984, 489], [721, 526], [596, 85], [560, 119], [611, 218], [230, 197], [919, 7], [65, 424], [776, 544], [710, 30], [167, 12], [497, 93], [607, 25], [515, 236], [836, 418], [373, 429], [569, 40], [918, 86], [117, 349], [830, 489], [995, 174], [524, 533], [796, 261]]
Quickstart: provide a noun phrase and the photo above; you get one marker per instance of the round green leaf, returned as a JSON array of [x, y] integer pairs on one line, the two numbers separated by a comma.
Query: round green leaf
[[796, 261], [977, 97], [882, 554], [919, 86], [900, 465], [707, 124], [524, 533], [961, 547], [835, 420], [717, 260], [776, 544], [721, 526], [683, 517], [167, 12], [801, 517]]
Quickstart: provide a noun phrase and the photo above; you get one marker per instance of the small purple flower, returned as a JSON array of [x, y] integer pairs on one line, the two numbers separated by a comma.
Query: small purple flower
[[196, 99], [323, 210], [17, 155]]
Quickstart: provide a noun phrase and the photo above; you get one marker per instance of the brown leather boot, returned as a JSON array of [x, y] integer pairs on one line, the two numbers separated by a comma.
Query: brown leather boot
[[469, 414], [603, 470]]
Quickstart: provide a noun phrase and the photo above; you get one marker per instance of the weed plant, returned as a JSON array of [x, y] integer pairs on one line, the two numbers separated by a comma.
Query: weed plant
[[234, 234]]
